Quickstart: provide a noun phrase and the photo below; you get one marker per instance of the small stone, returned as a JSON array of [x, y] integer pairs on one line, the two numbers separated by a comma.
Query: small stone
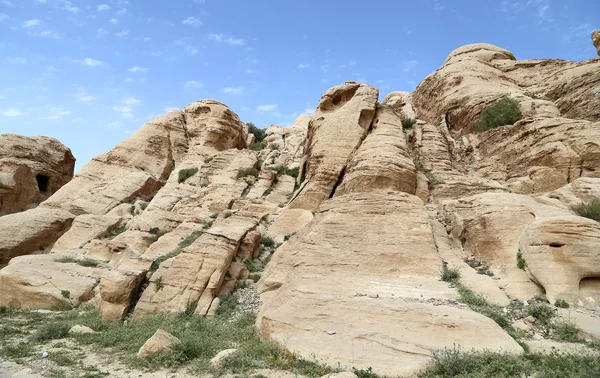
[[79, 329], [160, 342], [530, 319], [373, 295], [217, 360], [45, 354], [331, 332]]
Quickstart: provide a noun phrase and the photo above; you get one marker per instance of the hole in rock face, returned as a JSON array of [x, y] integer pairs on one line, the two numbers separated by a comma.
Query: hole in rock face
[[337, 99], [43, 182], [556, 245]]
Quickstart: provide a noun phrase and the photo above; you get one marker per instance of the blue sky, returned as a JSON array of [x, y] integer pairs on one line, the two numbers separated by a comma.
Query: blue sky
[[89, 73]]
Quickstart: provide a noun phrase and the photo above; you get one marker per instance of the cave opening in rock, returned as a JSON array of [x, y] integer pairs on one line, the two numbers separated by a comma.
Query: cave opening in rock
[[43, 182]]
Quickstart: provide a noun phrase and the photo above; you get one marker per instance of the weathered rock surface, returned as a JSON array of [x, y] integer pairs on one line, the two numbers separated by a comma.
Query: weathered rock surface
[[386, 276], [31, 170], [596, 40], [341, 121]]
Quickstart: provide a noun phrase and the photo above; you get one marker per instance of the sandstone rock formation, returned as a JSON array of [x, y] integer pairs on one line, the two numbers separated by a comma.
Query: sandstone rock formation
[[160, 342], [363, 202], [31, 170], [596, 40]]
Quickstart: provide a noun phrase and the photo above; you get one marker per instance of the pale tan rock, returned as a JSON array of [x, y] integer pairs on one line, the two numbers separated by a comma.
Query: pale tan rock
[[118, 287], [160, 342], [560, 252], [30, 231], [344, 374], [249, 247], [583, 189], [38, 281], [214, 307], [107, 250], [596, 40], [31, 170], [551, 346], [382, 162], [282, 191], [323, 292], [217, 360], [588, 323], [83, 229], [336, 130], [288, 223], [81, 329], [401, 102]]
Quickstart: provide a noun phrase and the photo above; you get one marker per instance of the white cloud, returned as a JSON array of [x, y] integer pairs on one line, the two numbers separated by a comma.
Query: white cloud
[[49, 34], [129, 101], [113, 21], [42, 1], [267, 108], [137, 69], [31, 23], [193, 84], [11, 112], [90, 62], [222, 38], [70, 7], [234, 90], [122, 33], [102, 7], [114, 124], [16, 60], [56, 113], [102, 32], [192, 21], [303, 65], [191, 50], [125, 111], [121, 12], [3, 17]]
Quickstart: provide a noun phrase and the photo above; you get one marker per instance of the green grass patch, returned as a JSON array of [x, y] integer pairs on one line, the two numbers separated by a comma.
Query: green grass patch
[[244, 172], [565, 330], [479, 304], [20, 350], [589, 209], [503, 112], [52, 331], [253, 267], [408, 123], [267, 241], [520, 261], [542, 312], [449, 274], [561, 303], [184, 243], [116, 232], [185, 174], [89, 263]]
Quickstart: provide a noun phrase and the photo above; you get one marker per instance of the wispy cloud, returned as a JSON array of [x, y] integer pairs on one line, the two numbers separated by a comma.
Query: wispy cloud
[[233, 90], [223, 38], [49, 34], [192, 21], [122, 33], [11, 112], [83, 97], [193, 84], [16, 60], [102, 32], [102, 7], [121, 12], [125, 111], [129, 101], [267, 108], [31, 23], [90, 62], [303, 65], [55, 113], [138, 69], [191, 50], [113, 21]]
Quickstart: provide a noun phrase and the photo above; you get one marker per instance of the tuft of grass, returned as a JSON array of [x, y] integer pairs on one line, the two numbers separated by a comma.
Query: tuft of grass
[[408, 122], [155, 234], [520, 261], [566, 331], [244, 172], [65, 294], [449, 274], [258, 146], [184, 244], [253, 267], [255, 278], [158, 284], [116, 232], [20, 350], [531, 95], [89, 263], [287, 237], [267, 241], [503, 112], [185, 174], [431, 177], [589, 209], [227, 214], [479, 304], [52, 331], [561, 303], [267, 192], [273, 146], [542, 312]]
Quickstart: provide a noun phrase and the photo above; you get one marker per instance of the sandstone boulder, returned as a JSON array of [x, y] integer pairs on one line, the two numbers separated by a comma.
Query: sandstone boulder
[[336, 130], [160, 342], [217, 360], [596, 40], [31, 170]]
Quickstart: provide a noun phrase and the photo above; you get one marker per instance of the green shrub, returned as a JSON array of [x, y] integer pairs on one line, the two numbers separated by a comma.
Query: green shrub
[[503, 112], [589, 210], [541, 312], [158, 284], [116, 232], [244, 172], [185, 174], [89, 263], [52, 331], [479, 304], [566, 331], [273, 146], [520, 261], [561, 303], [259, 134], [259, 146], [449, 274], [267, 241], [267, 192], [408, 123], [65, 294], [252, 266], [255, 278]]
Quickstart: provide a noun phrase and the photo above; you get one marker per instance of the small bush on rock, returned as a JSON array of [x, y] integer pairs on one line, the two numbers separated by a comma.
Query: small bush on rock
[[561, 303], [589, 210], [52, 331], [408, 123], [186, 173], [520, 261], [449, 274], [541, 312], [243, 172], [503, 112]]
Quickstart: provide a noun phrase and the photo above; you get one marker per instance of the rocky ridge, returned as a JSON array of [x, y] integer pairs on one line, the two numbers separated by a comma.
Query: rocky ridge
[[368, 202]]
